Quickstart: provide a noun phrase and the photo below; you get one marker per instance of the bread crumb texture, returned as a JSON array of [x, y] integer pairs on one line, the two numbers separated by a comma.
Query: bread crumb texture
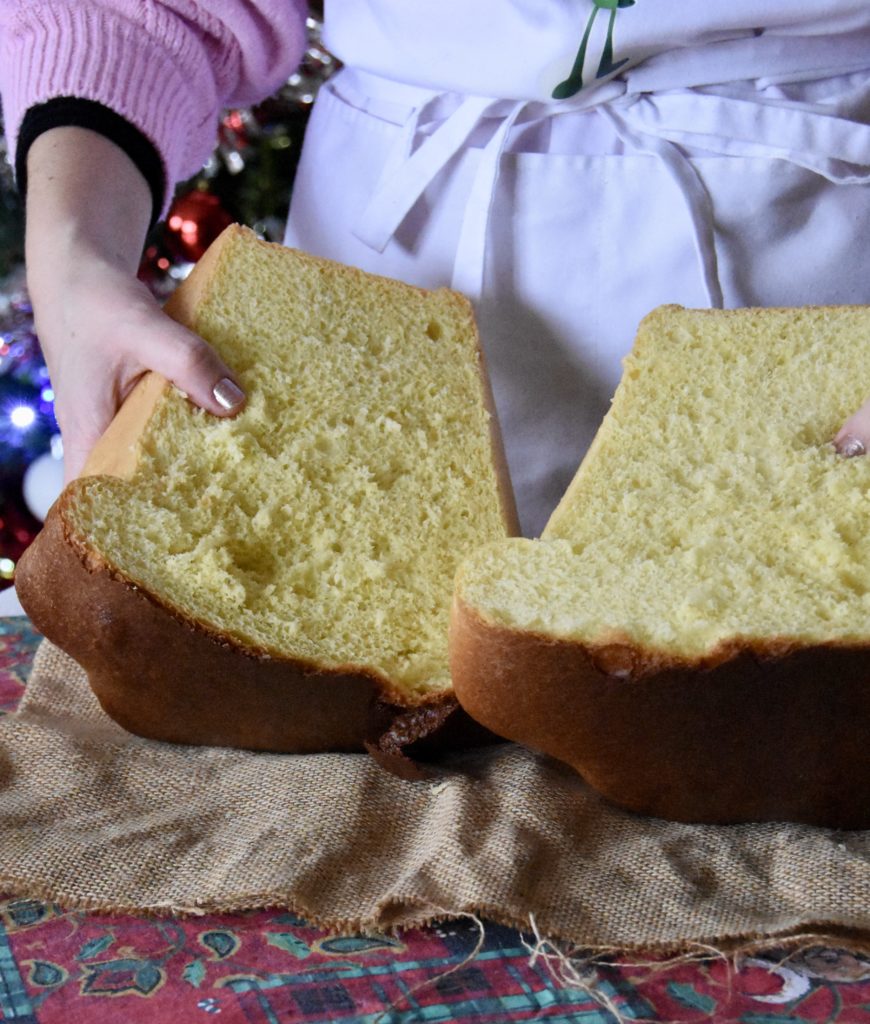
[[326, 521], [712, 507]]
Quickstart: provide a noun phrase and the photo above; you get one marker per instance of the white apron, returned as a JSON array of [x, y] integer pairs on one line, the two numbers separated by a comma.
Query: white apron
[[734, 171]]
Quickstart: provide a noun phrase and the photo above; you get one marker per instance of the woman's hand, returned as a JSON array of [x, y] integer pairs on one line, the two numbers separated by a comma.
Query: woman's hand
[[853, 437], [100, 330], [88, 209]]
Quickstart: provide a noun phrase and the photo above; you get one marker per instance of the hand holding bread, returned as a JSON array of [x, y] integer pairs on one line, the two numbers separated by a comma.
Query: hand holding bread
[[281, 580], [100, 329]]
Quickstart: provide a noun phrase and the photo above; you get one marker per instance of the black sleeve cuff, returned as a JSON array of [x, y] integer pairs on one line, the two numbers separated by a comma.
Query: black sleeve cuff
[[70, 110]]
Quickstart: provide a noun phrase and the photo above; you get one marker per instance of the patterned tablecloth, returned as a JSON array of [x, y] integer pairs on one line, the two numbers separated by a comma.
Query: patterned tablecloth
[[265, 967]]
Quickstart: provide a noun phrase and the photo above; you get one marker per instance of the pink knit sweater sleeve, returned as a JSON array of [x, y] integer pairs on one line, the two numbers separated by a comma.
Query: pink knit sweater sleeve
[[168, 67]]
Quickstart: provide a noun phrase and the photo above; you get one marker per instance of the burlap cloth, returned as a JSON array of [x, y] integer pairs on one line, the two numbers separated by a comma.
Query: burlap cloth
[[93, 817]]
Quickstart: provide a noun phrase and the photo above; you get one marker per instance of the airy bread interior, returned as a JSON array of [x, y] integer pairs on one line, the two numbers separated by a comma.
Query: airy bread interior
[[324, 522], [712, 507]]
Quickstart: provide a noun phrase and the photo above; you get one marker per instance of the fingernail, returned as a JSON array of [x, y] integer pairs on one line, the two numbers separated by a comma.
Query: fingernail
[[228, 394], [850, 446]]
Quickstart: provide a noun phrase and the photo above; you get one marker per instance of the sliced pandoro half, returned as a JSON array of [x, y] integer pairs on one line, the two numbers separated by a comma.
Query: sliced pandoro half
[[281, 580], [692, 631]]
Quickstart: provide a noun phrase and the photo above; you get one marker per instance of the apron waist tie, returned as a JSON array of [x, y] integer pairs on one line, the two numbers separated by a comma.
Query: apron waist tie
[[409, 171], [661, 124], [812, 138], [693, 191]]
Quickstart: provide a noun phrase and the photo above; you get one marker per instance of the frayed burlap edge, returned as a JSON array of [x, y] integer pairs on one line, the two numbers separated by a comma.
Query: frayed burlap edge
[[811, 934]]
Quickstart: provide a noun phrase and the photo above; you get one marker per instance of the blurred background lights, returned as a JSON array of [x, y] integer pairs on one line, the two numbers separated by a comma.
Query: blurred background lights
[[22, 416]]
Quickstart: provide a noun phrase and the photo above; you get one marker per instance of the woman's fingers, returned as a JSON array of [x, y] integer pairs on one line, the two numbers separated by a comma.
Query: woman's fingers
[[193, 366], [99, 327], [103, 340], [91, 389], [853, 437], [76, 449]]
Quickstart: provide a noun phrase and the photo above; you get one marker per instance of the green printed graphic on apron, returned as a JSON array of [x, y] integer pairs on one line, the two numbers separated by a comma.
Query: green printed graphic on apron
[[606, 66]]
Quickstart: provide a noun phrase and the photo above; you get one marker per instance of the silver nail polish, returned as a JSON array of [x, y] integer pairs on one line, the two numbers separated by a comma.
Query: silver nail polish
[[851, 446], [228, 394]]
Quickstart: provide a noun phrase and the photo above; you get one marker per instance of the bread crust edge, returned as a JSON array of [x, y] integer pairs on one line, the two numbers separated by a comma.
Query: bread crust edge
[[742, 737], [164, 677]]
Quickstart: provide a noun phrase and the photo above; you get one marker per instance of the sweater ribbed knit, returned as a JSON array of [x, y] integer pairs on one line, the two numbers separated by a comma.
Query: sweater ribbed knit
[[167, 68]]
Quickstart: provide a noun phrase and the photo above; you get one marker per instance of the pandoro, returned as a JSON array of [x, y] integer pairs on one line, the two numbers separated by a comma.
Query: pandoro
[[281, 580], [691, 631]]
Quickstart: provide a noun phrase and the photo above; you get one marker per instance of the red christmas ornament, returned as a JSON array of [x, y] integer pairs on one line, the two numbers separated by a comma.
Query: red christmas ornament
[[155, 265], [193, 223], [17, 529]]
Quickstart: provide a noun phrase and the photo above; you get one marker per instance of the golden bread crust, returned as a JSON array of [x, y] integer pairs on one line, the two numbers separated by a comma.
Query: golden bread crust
[[116, 452], [165, 678], [747, 736]]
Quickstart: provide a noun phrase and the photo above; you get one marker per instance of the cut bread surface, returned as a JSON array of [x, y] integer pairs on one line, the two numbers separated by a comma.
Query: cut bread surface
[[712, 509], [690, 632], [325, 521]]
